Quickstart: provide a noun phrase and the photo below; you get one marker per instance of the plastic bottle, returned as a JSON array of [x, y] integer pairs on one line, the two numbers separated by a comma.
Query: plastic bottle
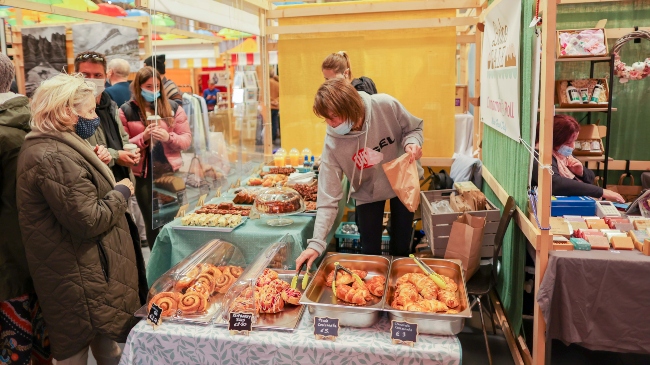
[[306, 162], [573, 95], [294, 157], [306, 152], [595, 95], [279, 156]]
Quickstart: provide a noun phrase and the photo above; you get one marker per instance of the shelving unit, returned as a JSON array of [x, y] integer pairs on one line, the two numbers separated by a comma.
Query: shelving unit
[[608, 109]]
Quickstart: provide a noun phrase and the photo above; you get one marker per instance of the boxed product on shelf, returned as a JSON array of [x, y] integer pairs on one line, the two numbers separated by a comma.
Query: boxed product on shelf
[[589, 141], [581, 43], [582, 93], [350, 242], [437, 226]]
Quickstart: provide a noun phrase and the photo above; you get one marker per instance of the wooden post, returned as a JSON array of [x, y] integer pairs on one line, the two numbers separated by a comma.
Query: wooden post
[[464, 53], [266, 88], [19, 58], [547, 89], [478, 126], [69, 48], [144, 31]]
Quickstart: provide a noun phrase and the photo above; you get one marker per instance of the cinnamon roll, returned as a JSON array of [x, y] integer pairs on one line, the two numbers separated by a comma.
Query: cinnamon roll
[[167, 301], [193, 302]]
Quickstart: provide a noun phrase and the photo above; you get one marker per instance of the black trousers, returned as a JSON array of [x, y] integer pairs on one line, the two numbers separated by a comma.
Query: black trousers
[[144, 196], [275, 123], [369, 221]]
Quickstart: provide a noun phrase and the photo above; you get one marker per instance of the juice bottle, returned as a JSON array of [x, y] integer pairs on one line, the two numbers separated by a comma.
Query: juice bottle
[[294, 157], [278, 157]]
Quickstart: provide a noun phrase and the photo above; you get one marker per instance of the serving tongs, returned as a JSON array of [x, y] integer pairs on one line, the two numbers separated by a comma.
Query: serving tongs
[[305, 279], [338, 267], [429, 271]]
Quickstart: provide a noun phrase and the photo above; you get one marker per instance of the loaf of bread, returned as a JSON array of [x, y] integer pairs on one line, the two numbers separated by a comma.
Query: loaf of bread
[[170, 183]]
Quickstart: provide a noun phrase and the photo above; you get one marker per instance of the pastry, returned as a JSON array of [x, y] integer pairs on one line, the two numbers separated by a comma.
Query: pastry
[[308, 192], [278, 285], [278, 207], [415, 307], [343, 277], [449, 298], [376, 285], [170, 183], [192, 302], [207, 281], [452, 311], [291, 296], [200, 288], [223, 282], [255, 181], [267, 276], [451, 285], [270, 301], [167, 301], [432, 305], [417, 292], [362, 286], [211, 270], [225, 205], [236, 271], [348, 294]]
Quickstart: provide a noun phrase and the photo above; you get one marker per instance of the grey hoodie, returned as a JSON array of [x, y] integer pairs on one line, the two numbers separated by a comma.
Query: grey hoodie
[[388, 127]]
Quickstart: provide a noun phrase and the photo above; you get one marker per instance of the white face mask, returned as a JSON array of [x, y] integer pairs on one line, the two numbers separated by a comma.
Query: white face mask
[[99, 85]]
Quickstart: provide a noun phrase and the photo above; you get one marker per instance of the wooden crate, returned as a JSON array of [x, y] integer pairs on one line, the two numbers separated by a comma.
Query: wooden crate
[[559, 46], [438, 226]]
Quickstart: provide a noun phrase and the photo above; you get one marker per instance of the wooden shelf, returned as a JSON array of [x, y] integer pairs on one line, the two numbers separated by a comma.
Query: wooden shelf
[[582, 110], [579, 59], [592, 158]]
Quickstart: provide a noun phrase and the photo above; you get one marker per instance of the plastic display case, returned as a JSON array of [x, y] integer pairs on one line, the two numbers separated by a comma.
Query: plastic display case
[[278, 202], [193, 290]]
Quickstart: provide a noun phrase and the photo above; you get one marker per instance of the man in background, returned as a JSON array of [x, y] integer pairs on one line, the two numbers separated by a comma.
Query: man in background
[[275, 106], [118, 75], [169, 87], [210, 95]]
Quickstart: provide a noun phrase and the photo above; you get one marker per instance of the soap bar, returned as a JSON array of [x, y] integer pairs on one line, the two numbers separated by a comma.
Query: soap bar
[[638, 237], [646, 247], [559, 226], [580, 244], [641, 224], [625, 227], [578, 225], [611, 235], [622, 243], [598, 242]]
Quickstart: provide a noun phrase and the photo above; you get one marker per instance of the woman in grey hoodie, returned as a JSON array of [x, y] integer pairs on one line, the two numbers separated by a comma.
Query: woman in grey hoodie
[[363, 132]]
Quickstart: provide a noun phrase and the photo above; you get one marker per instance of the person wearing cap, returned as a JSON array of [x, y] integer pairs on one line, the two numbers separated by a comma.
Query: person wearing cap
[[110, 132], [19, 307], [169, 86]]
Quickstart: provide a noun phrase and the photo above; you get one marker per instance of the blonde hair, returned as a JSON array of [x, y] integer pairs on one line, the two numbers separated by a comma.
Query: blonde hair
[[55, 102], [337, 97], [338, 62]]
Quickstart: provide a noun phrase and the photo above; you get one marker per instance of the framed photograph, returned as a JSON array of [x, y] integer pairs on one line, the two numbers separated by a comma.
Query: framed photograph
[[251, 95], [251, 79], [238, 83]]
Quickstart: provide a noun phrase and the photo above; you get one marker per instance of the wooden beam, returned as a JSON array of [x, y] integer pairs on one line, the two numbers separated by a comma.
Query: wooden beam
[[465, 39], [478, 125], [182, 42], [19, 59], [619, 32], [506, 329], [267, 139], [187, 33], [364, 8], [563, 2], [380, 25], [436, 161], [28, 5]]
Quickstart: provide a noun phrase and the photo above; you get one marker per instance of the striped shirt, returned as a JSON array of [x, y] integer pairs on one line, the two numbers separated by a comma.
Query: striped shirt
[[171, 90]]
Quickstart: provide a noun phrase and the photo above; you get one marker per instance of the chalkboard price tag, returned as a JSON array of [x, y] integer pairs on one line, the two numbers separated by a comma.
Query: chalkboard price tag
[[326, 328], [153, 318], [404, 333], [240, 323]]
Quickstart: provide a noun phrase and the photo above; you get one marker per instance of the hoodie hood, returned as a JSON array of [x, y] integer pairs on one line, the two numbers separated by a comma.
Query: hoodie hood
[[14, 111]]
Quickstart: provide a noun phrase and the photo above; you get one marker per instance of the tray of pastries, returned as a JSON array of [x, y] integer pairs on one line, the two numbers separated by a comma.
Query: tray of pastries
[[309, 193], [221, 217], [355, 304], [193, 290], [413, 297]]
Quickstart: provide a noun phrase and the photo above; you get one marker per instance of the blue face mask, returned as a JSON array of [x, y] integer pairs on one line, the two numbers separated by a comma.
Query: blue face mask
[[343, 128], [85, 128], [149, 96], [565, 150]]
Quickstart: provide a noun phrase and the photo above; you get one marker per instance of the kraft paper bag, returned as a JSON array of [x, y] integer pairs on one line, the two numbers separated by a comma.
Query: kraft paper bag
[[465, 242], [404, 179]]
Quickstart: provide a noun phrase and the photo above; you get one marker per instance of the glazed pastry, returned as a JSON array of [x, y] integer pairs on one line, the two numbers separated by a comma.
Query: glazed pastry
[[348, 294], [267, 276], [255, 181], [270, 301], [449, 298], [212, 270], [415, 307], [192, 302], [291, 296], [207, 281], [228, 272], [201, 289], [222, 283], [236, 271], [376, 285], [451, 285], [278, 285], [167, 301], [344, 278], [362, 286], [432, 305], [425, 286], [408, 292]]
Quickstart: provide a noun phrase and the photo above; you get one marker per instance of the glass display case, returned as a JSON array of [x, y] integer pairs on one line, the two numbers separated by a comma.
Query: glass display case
[[278, 203]]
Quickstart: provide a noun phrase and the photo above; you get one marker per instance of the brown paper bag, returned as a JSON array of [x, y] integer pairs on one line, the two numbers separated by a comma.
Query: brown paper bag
[[629, 192], [458, 203], [465, 242], [404, 179]]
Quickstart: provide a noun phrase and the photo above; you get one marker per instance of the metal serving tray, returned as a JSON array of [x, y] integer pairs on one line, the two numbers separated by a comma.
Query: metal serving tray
[[322, 302], [432, 323]]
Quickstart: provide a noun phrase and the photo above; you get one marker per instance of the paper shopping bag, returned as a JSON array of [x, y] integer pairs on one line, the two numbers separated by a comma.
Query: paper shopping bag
[[405, 181], [465, 242]]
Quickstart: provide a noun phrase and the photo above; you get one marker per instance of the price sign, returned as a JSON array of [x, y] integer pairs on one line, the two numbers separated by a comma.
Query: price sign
[[326, 328], [153, 317], [404, 333], [240, 322]]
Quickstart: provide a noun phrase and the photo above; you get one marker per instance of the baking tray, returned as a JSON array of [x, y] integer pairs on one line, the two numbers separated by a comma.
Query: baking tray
[[431, 323], [210, 229], [321, 301], [285, 321]]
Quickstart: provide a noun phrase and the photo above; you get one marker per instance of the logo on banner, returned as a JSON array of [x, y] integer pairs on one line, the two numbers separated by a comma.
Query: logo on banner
[[366, 158]]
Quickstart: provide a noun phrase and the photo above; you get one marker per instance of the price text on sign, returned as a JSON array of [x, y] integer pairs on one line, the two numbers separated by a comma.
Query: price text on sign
[[240, 322], [404, 331], [325, 326], [154, 315]]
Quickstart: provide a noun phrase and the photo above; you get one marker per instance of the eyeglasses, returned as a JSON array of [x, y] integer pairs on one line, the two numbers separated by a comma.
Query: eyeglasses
[[90, 55]]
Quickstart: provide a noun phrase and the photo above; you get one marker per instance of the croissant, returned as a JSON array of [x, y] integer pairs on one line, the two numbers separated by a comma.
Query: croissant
[[407, 292], [350, 295], [362, 286], [426, 287], [451, 285], [449, 298], [415, 307], [344, 278], [432, 305], [452, 311], [167, 301], [376, 285]]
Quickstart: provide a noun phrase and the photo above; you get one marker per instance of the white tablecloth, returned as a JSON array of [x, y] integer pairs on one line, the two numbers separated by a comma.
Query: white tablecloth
[[187, 344]]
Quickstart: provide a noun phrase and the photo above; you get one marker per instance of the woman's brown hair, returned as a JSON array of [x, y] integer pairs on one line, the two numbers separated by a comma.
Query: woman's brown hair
[[143, 75], [338, 62], [338, 98]]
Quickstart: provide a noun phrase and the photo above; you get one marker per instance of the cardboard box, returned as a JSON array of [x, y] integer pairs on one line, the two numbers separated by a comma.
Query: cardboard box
[[622, 243], [563, 99]]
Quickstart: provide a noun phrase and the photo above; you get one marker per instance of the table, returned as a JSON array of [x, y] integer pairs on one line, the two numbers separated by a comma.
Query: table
[[173, 245], [186, 344], [598, 299]]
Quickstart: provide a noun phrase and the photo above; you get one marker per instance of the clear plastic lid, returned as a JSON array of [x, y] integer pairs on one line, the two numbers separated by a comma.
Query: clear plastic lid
[[244, 293], [278, 201], [193, 290]]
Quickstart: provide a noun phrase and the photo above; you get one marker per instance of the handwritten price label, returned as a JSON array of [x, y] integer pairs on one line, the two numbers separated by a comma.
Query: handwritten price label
[[240, 322], [326, 328], [404, 333]]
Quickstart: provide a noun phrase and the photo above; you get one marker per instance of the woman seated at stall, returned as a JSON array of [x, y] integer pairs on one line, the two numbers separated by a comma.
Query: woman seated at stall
[[570, 178]]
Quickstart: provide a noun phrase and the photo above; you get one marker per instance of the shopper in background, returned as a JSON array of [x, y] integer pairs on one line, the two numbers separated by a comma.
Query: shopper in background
[[160, 142], [363, 132], [338, 65], [570, 178], [118, 75], [21, 319], [169, 87], [75, 229], [210, 95], [110, 133], [274, 93]]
